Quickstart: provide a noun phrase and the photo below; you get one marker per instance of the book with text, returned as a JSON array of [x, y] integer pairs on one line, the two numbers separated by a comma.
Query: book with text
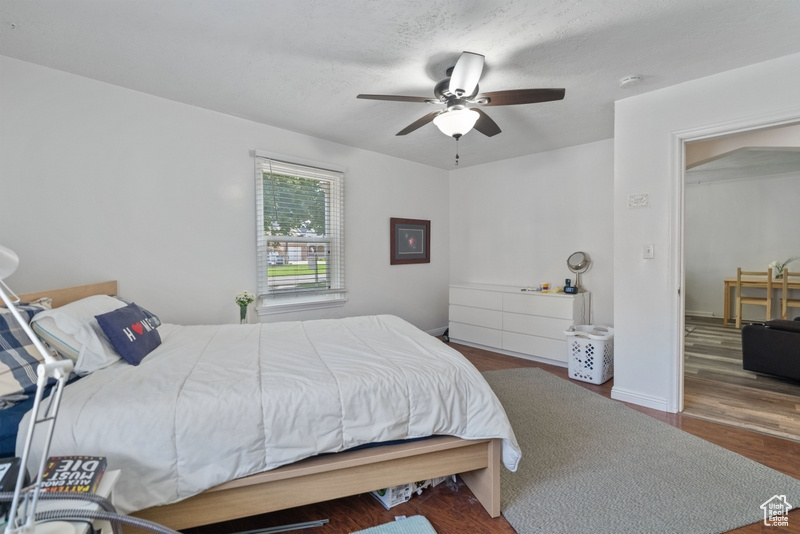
[[73, 474]]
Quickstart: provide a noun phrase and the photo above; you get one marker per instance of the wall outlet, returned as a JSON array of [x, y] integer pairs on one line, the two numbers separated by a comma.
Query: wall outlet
[[647, 251]]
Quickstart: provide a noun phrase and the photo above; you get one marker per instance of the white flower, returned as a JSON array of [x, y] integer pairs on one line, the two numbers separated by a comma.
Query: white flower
[[778, 267], [244, 298]]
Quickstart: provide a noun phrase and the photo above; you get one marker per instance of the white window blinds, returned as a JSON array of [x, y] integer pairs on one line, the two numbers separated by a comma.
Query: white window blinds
[[300, 228]]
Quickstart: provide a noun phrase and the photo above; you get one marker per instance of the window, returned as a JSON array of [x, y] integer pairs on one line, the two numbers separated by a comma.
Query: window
[[300, 231]]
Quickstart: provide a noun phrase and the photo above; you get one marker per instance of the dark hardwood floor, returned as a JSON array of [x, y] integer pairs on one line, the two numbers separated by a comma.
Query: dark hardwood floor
[[452, 509]]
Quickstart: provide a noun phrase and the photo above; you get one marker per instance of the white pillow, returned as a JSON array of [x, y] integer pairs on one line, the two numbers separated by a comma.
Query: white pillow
[[73, 332]]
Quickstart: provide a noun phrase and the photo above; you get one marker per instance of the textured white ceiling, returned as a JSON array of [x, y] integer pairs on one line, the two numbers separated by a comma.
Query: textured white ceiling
[[299, 65], [751, 162]]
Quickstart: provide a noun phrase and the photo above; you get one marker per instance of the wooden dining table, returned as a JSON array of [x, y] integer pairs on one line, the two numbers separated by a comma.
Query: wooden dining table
[[730, 283]]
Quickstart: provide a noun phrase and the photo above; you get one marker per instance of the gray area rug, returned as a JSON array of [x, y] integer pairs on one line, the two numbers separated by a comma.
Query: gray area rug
[[591, 464]]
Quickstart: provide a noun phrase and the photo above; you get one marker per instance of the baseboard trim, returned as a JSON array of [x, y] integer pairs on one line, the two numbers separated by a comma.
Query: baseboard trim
[[696, 313], [639, 399]]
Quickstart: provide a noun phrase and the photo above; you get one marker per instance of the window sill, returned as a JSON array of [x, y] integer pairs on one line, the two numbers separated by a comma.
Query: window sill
[[294, 303]]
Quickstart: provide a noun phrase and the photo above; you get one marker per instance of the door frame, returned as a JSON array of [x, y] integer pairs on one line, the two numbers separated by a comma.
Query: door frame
[[678, 268]]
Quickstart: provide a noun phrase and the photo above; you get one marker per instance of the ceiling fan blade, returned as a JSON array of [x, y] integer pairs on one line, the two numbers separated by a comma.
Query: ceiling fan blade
[[521, 96], [485, 124], [422, 121], [466, 74], [395, 98]]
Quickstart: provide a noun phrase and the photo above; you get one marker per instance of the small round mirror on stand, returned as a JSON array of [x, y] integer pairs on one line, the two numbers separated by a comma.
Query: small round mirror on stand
[[578, 263]]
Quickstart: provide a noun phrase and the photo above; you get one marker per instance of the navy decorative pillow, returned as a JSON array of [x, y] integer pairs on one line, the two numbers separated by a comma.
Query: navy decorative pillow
[[131, 332], [154, 320]]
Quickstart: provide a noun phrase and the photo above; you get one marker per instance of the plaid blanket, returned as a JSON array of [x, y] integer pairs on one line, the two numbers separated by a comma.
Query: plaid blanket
[[18, 356]]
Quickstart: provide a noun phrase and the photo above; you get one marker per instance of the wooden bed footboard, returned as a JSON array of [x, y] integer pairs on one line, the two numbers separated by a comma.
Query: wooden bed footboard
[[332, 476]]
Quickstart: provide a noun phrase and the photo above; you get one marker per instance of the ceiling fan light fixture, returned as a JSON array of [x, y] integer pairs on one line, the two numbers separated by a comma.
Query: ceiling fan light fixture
[[461, 89], [457, 122]]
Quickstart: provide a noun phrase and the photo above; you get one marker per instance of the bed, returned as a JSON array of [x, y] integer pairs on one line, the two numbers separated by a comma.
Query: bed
[[468, 434]]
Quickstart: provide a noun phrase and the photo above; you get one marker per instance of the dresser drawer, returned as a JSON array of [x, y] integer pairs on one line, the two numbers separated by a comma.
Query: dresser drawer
[[543, 347], [476, 334], [476, 298], [476, 316], [535, 325], [544, 305]]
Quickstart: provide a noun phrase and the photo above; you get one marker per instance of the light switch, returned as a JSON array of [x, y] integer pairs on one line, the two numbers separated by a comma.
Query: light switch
[[647, 251]]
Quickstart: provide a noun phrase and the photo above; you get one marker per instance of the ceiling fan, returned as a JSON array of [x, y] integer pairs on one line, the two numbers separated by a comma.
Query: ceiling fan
[[460, 90]]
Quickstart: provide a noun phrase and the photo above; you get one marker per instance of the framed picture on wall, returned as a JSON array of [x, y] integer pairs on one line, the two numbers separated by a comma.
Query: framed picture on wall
[[410, 241]]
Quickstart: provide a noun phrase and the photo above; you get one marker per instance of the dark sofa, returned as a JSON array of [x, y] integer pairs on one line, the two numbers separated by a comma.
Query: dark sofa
[[772, 348]]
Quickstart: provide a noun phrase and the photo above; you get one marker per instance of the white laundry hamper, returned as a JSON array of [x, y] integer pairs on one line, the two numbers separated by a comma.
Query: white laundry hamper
[[590, 353]]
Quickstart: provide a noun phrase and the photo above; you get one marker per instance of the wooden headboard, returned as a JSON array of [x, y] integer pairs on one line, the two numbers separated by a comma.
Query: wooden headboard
[[71, 294]]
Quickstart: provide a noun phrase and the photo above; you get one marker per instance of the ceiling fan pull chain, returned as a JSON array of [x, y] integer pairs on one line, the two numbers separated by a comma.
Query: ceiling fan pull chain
[[456, 150]]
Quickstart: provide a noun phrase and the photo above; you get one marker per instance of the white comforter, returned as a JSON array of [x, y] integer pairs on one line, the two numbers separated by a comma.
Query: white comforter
[[214, 403]]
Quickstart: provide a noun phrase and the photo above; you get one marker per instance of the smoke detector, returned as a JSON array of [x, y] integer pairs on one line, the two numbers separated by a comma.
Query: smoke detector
[[630, 80]]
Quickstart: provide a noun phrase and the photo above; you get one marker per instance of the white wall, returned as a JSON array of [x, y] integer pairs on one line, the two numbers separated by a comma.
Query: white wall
[[100, 182], [516, 221], [743, 223], [647, 308]]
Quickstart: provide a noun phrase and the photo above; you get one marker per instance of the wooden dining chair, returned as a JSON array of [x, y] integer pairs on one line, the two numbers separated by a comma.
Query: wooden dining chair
[[786, 302], [760, 277]]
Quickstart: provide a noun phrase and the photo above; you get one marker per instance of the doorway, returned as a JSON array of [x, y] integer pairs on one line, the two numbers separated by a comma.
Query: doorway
[[738, 189]]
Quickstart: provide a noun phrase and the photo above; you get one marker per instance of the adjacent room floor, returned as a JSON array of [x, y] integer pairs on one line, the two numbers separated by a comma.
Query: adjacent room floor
[[716, 388]]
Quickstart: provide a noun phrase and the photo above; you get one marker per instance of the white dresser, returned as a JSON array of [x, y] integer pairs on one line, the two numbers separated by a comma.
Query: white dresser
[[521, 323]]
